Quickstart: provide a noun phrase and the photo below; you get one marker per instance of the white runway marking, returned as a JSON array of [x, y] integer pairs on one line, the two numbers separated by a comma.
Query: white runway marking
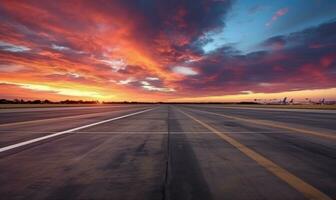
[[172, 132], [143, 132], [43, 109], [3, 149], [61, 118]]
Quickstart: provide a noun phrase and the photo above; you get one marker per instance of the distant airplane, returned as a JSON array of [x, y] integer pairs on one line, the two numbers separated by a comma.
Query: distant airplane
[[284, 101], [322, 101]]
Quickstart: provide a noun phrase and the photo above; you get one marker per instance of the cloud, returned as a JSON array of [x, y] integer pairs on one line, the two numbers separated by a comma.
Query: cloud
[[127, 81], [153, 49], [11, 68], [295, 66], [12, 47], [152, 78], [60, 48], [275, 43], [188, 71], [133, 38], [279, 13], [148, 86], [116, 65]]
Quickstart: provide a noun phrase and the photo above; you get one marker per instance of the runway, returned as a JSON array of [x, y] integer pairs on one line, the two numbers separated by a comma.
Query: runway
[[161, 151]]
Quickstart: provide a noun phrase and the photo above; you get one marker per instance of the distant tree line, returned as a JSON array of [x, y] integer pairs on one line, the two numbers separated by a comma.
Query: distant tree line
[[21, 101]]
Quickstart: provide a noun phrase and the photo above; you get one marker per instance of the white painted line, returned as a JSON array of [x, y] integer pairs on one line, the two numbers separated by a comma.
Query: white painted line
[[145, 132], [172, 132], [96, 114], [15, 110], [3, 149]]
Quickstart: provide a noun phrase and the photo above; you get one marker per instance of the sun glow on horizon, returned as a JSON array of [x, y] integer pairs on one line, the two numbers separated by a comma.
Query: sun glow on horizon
[[63, 91], [301, 95]]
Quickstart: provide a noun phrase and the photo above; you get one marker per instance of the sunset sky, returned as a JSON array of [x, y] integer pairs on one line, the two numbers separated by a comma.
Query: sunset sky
[[167, 50]]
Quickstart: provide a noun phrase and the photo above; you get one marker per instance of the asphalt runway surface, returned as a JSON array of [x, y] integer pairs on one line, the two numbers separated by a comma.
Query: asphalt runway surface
[[162, 151]]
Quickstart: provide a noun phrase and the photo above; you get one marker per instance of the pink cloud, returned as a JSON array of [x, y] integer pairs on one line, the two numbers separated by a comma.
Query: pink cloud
[[281, 12]]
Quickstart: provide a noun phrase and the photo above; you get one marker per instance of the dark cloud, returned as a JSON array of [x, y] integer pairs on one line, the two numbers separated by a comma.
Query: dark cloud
[[299, 65], [276, 42]]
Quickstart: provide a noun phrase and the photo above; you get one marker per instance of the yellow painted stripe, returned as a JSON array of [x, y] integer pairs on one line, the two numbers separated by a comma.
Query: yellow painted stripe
[[273, 108], [306, 189], [274, 125]]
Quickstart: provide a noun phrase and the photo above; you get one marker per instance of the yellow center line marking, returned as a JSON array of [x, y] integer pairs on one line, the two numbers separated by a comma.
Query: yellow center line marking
[[273, 125], [281, 109], [306, 189]]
